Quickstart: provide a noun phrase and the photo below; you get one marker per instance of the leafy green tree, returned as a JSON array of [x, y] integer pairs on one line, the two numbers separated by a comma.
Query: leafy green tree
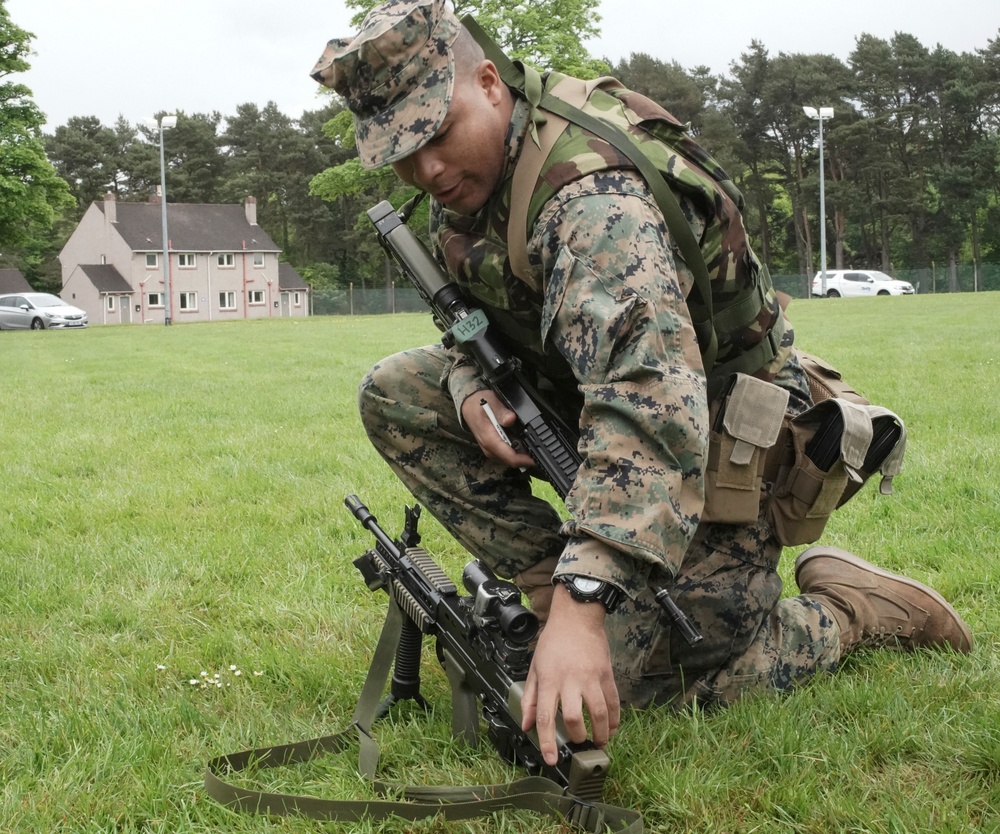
[[764, 97], [264, 151], [990, 120], [353, 190], [892, 87], [84, 153], [963, 169], [194, 163], [31, 193], [319, 225], [274, 158], [742, 98], [545, 33]]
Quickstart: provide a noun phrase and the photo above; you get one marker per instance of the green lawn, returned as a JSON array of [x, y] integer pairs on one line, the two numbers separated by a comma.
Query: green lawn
[[172, 511]]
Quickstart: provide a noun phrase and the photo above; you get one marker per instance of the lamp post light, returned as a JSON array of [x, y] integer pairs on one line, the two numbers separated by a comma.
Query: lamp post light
[[820, 114], [163, 124]]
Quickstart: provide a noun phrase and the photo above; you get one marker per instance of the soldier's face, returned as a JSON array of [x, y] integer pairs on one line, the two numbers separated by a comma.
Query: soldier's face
[[461, 165]]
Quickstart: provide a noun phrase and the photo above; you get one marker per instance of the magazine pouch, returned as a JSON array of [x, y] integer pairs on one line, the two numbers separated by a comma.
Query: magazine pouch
[[824, 457], [746, 422]]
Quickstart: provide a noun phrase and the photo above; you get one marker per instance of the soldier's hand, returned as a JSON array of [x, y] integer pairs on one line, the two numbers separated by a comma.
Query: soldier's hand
[[477, 418], [571, 671]]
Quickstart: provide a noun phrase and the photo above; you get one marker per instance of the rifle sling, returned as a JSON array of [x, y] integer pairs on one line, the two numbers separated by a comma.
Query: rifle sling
[[533, 793]]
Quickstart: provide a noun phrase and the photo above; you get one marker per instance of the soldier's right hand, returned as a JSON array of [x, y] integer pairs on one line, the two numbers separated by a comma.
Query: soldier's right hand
[[476, 415]]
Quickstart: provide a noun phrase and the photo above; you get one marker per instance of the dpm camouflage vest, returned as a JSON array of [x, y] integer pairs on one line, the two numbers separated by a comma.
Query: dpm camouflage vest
[[488, 255]]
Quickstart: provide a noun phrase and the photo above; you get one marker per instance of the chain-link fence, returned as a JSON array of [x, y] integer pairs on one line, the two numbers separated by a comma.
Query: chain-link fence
[[932, 279], [367, 302], [398, 299]]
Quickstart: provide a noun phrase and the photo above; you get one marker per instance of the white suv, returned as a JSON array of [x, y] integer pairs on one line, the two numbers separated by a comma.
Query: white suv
[[854, 282]]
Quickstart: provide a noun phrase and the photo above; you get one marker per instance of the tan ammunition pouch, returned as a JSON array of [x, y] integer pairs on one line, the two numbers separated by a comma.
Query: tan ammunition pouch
[[813, 462], [746, 423]]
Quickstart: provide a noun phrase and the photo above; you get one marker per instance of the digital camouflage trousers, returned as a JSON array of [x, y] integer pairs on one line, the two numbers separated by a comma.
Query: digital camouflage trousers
[[728, 585]]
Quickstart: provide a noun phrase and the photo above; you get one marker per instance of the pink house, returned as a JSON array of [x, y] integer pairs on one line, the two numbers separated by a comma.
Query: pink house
[[222, 265]]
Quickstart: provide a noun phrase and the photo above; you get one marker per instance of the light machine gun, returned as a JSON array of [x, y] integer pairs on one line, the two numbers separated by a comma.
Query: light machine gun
[[547, 438], [483, 644]]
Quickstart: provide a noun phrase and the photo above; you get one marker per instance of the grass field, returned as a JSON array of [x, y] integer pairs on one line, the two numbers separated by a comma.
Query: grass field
[[176, 583]]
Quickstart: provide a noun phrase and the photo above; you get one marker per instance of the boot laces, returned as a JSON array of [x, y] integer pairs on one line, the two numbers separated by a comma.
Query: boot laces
[[880, 637]]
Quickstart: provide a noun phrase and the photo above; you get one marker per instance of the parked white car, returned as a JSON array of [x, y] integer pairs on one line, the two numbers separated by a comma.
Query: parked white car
[[851, 283], [38, 311]]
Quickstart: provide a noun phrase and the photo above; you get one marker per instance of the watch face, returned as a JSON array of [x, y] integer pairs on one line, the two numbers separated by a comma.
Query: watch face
[[586, 584]]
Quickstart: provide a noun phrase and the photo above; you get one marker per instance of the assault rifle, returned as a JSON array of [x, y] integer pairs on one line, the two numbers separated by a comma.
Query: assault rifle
[[482, 642], [547, 438]]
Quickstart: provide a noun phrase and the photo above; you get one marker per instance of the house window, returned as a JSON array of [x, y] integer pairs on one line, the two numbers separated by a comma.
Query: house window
[[227, 260], [258, 259], [296, 301], [256, 296], [152, 260], [189, 301], [186, 260], [155, 299], [111, 303], [227, 301]]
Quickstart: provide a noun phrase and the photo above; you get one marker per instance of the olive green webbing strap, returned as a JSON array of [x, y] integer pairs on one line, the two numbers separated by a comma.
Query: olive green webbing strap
[[680, 230], [419, 802]]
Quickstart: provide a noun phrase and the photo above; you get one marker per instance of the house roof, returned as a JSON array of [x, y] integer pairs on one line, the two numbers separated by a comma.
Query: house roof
[[289, 279], [11, 280], [106, 278], [190, 228]]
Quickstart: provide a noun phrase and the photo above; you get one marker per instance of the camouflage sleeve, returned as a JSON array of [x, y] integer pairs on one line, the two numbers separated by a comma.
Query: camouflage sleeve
[[614, 309], [463, 380]]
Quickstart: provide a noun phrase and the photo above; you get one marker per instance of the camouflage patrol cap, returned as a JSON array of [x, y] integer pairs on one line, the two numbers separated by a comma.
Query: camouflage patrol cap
[[397, 76]]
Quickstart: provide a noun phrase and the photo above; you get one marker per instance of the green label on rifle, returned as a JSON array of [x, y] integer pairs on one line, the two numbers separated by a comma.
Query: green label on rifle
[[470, 326]]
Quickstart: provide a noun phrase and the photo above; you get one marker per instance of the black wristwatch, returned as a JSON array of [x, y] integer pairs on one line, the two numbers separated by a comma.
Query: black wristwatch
[[588, 589]]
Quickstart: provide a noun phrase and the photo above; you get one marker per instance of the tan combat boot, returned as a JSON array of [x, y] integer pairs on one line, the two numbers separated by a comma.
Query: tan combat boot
[[876, 608]]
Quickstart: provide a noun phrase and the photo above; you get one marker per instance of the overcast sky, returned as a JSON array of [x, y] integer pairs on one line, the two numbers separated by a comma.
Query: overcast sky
[[133, 58]]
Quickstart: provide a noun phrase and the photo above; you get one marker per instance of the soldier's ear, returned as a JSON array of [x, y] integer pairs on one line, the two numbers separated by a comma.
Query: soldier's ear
[[488, 80]]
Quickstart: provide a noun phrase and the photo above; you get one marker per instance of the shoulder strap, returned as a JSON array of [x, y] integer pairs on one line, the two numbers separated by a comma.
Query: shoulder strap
[[514, 75], [533, 793]]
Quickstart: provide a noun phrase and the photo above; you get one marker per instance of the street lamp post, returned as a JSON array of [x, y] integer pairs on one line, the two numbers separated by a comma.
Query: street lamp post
[[820, 114], [163, 124]]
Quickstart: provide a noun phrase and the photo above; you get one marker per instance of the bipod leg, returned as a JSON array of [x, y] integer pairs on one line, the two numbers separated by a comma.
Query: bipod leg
[[405, 683]]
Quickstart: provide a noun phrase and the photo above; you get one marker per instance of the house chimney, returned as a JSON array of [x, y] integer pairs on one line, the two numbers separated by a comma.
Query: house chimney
[[251, 209], [110, 208]]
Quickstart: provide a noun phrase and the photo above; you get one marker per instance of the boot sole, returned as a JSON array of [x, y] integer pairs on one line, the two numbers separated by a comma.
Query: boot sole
[[858, 562]]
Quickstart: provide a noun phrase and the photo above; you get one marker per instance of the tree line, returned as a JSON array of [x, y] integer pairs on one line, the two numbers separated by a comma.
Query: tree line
[[911, 154]]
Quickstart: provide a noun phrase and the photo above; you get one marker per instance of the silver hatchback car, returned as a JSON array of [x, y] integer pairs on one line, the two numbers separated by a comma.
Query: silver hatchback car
[[38, 311]]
